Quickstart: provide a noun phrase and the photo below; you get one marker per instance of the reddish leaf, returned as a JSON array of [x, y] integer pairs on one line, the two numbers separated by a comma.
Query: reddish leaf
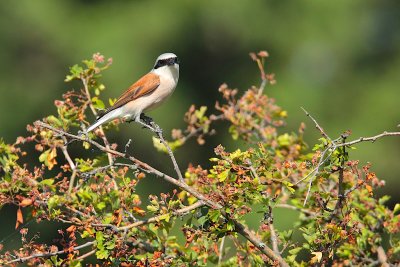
[[20, 219], [25, 202]]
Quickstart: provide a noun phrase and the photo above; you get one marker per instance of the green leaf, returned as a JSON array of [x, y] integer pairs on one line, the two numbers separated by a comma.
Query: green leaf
[[98, 103], [85, 234], [223, 175], [396, 209], [383, 200], [102, 254], [152, 208], [43, 156], [284, 140], [100, 205], [234, 132], [295, 251], [289, 186], [47, 182], [53, 202], [214, 215], [54, 121], [230, 226], [238, 153], [165, 217], [99, 239], [75, 71], [158, 145], [200, 112]]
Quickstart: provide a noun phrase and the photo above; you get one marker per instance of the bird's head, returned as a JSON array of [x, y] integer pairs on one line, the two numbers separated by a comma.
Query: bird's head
[[166, 60]]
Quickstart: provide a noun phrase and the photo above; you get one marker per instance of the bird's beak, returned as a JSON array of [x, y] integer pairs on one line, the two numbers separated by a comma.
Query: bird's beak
[[173, 61]]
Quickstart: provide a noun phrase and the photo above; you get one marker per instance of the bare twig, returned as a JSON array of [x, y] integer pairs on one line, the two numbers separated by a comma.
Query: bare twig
[[315, 172], [221, 250], [320, 129], [331, 147], [170, 153], [157, 218], [274, 239], [264, 82], [46, 255], [246, 233], [102, 133], [157, 130], [382, 258], [71, 164], [287, 206], [200, 130], [86, 254], [239, 228], [368, 139], [103, 168], [341, 193]]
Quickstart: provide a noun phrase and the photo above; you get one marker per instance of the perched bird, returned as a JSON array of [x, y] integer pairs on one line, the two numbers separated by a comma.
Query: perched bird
[[147, 93]]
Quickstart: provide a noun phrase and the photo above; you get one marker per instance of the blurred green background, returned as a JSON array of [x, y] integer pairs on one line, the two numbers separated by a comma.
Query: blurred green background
[[338, 59]]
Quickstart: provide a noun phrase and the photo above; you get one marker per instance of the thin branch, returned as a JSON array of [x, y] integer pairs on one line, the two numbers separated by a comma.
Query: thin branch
[[221, 250], [382, 257], [157, 130], [368, 139], [103, 168], [71, 164], [274, 239], [332, 146], [246, 233], [341, 193], [90, 253], [315, 173], [200, 130], [157, 218], [66, 154], [102, 133], [46, 255], [239, 228], [170, 153], [320, 129], [287, 206]]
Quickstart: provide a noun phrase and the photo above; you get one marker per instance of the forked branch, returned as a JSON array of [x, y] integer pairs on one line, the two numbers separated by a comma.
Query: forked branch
[[239, 227]]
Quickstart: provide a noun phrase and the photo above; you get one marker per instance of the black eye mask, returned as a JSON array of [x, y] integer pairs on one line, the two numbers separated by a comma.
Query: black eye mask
[[166, 62]]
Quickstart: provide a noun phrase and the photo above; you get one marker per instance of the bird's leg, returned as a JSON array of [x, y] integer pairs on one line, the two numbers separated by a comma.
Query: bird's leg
[[145, 123], [157, 129], [146, 119]]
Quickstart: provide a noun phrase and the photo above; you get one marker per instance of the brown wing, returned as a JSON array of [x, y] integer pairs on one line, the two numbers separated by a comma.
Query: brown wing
[[145, 85]]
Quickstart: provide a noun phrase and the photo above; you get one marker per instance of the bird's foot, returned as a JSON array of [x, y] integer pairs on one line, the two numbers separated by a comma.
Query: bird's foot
[[157, 129], [148, 123], [146, 119]]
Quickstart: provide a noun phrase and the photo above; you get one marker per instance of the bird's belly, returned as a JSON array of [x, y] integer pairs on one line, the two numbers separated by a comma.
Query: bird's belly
[[160, 95], [148, 102]]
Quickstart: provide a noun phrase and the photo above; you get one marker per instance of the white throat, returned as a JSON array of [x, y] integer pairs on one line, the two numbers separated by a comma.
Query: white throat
[[168, 72]]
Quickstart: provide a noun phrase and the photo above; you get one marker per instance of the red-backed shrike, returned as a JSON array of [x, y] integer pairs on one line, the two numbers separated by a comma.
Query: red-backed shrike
[[147, 93]]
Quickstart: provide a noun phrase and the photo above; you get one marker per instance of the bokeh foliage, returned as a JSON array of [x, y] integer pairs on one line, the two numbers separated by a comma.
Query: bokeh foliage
[[339, 60], [340, 219]]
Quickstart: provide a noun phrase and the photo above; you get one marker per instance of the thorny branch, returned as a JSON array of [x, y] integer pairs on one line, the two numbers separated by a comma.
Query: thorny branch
[[369, 139], [331, 147], [239, 228], [288, 206], [320, 129], [71, 164], [46, 255], [178, 212], [156, 129], [102, 133]]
